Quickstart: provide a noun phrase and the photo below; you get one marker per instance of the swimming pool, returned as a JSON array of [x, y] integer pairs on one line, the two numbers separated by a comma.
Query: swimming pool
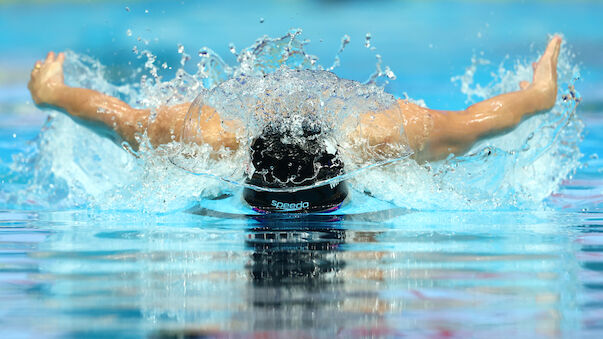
[[72, 268]]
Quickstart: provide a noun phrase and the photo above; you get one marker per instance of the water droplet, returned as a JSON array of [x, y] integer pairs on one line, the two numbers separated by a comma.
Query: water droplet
[[129, 32], [146, 11], [261, 20], [232, 48], [344, 41], [135, 50], [180, 49], [164, 65], [389, 73], [185, 58], [127, 9], [367, 40], [14, 135]]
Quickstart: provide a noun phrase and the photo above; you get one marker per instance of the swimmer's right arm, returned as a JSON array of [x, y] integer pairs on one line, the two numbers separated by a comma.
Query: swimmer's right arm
[[47, 88]]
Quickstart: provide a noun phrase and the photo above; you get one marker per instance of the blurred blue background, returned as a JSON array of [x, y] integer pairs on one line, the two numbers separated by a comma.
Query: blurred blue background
[[424, 42]]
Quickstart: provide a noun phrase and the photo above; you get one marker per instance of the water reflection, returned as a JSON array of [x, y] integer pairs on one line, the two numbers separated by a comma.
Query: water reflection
[[414, 274], [294, 271], [590, 256]]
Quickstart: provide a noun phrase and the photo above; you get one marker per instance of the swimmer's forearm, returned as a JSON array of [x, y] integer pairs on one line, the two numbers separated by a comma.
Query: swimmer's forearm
[[457, 132], [97, 107], [502, 112]]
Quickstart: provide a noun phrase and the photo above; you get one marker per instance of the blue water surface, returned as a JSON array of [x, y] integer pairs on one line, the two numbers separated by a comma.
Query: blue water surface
[[380, 272]]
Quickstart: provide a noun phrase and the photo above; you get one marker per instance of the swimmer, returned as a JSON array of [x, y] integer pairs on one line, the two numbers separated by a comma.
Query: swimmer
[[431, 134]]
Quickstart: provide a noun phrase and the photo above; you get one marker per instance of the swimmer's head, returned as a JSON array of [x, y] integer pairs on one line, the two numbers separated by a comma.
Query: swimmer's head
[[284, 157]]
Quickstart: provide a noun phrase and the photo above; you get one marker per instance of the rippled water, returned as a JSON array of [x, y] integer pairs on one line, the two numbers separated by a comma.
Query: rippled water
[[385, 274]]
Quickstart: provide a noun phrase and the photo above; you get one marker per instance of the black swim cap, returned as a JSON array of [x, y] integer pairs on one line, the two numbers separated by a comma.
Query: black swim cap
[[285, 158]]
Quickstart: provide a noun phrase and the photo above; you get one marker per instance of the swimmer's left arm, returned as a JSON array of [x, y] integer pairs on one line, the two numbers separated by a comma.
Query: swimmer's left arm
[[435, 134], [47, 88]]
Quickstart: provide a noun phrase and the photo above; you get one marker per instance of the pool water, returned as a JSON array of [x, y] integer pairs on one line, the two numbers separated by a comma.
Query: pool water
[[373, 268]]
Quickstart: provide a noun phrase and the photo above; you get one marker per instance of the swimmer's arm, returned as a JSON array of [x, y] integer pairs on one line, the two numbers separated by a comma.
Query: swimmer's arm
[[435, 134], [48, 89]]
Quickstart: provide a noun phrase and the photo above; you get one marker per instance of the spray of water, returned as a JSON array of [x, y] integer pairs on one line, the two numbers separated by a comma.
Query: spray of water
[[517, 170], [69, 166]]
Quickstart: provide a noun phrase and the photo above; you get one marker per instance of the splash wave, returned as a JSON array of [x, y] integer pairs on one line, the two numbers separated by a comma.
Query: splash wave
[[67, 166]]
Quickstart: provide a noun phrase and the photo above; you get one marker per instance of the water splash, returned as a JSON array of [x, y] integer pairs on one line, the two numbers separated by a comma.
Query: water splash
[[516, 170], [286, 100], [68, 166], [381, 75], [345, 40]]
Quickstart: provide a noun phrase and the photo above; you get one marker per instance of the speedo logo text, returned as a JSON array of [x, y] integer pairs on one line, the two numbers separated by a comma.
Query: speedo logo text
[[290, 206]]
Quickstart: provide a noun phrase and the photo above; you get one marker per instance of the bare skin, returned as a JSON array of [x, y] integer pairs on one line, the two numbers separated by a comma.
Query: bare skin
[[432, 134]]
